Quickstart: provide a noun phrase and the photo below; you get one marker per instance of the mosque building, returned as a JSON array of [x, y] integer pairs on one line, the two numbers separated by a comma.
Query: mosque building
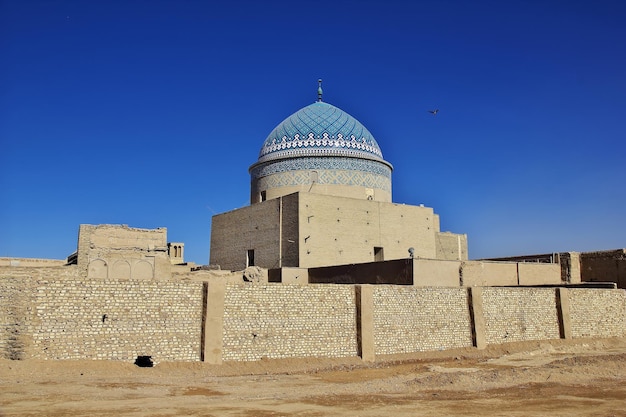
[[321, 213], [320, 196]]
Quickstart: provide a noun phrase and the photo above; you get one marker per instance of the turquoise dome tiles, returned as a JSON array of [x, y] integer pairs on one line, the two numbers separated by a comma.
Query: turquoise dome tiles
[[321, 144], [320, 129]]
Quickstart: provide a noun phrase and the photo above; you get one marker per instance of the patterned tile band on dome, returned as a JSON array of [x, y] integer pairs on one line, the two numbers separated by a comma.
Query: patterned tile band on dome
[[335, 177], [321, 163], [313, 146], [320, 128]]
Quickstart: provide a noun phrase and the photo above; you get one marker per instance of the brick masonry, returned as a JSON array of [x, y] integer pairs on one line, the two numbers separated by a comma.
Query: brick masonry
[[64, 317], [282, 321], [16, 307], [410, 319], [100, 319], [597, 312], [519, 314]]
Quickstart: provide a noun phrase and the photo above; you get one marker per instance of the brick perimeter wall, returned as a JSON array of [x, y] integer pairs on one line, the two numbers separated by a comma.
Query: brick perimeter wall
[[409, 319], [282, 321], [597, 312], [62, 318], [519, 314], [158, 319], [16, 310]]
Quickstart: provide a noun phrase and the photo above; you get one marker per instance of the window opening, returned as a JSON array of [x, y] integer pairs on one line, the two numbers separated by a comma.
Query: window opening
[[378, 254]]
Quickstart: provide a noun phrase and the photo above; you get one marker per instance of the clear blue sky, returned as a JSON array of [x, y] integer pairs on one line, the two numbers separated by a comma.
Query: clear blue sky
[[149, 113]]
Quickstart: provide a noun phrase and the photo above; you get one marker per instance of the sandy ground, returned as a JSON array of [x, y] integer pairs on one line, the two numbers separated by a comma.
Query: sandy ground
[[560, 378]]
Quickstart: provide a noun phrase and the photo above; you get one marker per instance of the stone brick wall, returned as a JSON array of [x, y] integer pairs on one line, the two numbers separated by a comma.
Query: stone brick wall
[[597, 312], [49, 313], [255, 227], [116, 320], [410, 319], [283, 321], [518, 314], [16, 308], [18, 302]]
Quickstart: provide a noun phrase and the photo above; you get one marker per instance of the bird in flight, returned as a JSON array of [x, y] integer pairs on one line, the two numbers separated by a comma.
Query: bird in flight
[[433, 112]]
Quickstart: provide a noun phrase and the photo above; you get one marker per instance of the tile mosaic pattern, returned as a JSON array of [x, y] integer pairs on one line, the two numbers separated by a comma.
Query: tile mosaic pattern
[[337, 177], [320, 129], [321, 163]]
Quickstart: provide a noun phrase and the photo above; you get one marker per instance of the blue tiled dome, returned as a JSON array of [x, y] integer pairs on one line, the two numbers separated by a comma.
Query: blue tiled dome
[[320, 129]]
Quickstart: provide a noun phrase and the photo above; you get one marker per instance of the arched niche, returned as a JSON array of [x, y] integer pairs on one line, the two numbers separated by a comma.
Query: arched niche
[[121, 269], [143, 270], [98, 268]]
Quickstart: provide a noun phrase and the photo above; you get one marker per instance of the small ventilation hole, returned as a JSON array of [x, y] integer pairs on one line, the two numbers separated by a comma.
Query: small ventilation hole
[[144, 361]]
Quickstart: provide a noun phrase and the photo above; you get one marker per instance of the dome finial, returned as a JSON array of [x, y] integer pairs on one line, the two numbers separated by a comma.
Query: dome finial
[[319, 90]]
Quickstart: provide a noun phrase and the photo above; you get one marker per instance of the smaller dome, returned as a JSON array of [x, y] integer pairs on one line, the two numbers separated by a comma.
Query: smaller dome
[[320, 129]]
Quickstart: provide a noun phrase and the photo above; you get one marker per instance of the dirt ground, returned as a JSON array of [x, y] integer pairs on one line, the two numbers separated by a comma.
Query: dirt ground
[[559, 378]]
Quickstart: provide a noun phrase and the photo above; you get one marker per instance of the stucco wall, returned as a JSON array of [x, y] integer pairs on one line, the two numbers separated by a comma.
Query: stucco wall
[[538, 274], [451, 246], [311, 230], [338, 231], [436, 273], [279, 184], [597, 312], [31, 262], [117, 251], [410, 319], [478, 273], [281, 321], [519, 314]]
